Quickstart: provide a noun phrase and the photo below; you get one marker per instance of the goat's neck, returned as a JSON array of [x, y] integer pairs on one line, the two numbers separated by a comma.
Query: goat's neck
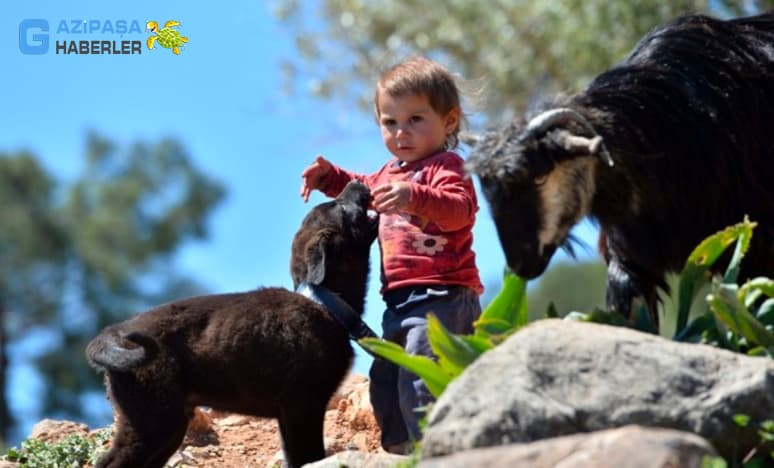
[[351, 291], [615, 196]]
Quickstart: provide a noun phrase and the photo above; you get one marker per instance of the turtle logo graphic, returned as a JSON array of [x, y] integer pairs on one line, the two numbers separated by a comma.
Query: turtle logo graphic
[[166, 37]]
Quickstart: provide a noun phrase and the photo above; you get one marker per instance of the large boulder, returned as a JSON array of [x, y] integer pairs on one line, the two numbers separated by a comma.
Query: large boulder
[[559, 377], [629, 446]]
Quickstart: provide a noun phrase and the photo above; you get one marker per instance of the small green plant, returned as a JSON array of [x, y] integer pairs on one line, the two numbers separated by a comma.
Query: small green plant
[[713, 462], [738, 318], [759, 456], [412, 460], [734, 317], [73, 451], [504, 315]]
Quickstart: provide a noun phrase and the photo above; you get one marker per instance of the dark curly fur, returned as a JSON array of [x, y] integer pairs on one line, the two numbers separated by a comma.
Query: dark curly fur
[[688, 119], [268, 353]]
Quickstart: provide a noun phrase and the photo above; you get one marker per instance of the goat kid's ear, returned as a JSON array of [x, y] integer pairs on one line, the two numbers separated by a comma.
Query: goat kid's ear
[[315, 253], [355, 194]]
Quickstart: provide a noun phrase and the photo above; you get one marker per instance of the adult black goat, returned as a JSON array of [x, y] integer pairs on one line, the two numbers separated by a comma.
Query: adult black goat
[[669, 146]]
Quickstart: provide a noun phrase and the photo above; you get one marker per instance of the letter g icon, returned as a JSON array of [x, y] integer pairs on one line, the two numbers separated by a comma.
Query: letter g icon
[[38, 44]]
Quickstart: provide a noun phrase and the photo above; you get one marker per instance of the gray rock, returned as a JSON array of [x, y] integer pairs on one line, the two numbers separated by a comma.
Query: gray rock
[[558, 377], [356, 459], [629, 446]]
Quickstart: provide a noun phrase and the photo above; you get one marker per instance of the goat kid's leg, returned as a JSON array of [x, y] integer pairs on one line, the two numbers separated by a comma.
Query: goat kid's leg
[[152, 420], [301, 429], [126, 449], [144, 448], [171, 438]]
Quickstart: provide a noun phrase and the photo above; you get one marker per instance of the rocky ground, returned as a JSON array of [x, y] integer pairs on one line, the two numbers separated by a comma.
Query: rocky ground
[[222, 440]]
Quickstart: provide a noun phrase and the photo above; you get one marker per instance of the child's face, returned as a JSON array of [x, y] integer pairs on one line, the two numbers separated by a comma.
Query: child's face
[[411, 129]]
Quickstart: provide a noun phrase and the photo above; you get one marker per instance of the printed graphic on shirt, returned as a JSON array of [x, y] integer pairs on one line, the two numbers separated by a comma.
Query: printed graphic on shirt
[[429, 245]]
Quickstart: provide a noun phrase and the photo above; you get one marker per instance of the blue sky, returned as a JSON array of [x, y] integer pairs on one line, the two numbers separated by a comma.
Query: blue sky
[[221, 97]]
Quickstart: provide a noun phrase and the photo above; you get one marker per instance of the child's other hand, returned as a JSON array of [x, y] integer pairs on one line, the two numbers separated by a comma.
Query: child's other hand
[[392, 197], [313, 176]]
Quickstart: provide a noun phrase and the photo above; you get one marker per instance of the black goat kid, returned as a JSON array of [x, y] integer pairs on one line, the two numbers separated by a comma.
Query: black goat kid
[[269, 353], [671, 145]]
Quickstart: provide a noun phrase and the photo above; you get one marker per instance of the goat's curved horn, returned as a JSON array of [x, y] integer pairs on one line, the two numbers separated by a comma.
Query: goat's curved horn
[[547, 119]]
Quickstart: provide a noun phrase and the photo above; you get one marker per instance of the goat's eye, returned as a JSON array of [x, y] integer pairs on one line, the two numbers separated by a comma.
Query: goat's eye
[[541, 179]]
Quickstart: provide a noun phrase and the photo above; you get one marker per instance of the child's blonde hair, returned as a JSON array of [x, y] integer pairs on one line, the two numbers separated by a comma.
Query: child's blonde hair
[[418, 75]]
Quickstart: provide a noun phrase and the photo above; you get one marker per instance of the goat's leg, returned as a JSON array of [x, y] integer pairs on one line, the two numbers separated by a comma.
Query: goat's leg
[[122, 446], [152, 420], [301, 428], [625, 287], [148, 446], [171, 434]]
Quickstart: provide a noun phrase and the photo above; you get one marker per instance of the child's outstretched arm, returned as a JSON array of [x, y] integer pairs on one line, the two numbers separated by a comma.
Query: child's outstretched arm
[[312, 176], [328, 178]]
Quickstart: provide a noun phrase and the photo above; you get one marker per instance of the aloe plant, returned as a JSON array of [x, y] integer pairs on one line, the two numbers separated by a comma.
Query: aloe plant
[[734, 317], [696, 274], [505, 314]]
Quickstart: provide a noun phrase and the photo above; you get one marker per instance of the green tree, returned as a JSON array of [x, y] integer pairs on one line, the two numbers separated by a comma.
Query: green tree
[[519, 49], [32, 251], [77, 256]]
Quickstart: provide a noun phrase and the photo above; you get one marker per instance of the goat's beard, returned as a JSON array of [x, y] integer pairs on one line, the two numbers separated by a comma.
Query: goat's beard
[[572, 243]]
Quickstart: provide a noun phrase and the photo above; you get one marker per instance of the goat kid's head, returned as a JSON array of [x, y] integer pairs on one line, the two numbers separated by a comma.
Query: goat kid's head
[[332, 246], [539, 180]]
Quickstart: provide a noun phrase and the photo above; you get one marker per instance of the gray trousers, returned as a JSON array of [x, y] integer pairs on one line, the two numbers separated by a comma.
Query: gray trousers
[[397, 395]]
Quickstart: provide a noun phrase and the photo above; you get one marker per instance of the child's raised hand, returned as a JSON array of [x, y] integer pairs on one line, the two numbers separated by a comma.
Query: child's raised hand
[[313, 175], [392, 197]]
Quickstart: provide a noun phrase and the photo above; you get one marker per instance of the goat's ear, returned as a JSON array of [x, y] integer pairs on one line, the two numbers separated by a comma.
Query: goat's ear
[[315, 253], [471, 139], [575, 145]]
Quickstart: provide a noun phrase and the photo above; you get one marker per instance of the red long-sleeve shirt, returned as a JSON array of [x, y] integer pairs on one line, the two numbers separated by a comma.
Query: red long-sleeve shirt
[[430, 242]]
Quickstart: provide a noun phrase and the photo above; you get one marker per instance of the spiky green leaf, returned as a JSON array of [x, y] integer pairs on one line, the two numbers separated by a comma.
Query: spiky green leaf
[[754, 288], [741, 420], [453, 352], [507, 311], [696, 331], [431, 373], [725, 304], [481, 345], [695, 274]]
